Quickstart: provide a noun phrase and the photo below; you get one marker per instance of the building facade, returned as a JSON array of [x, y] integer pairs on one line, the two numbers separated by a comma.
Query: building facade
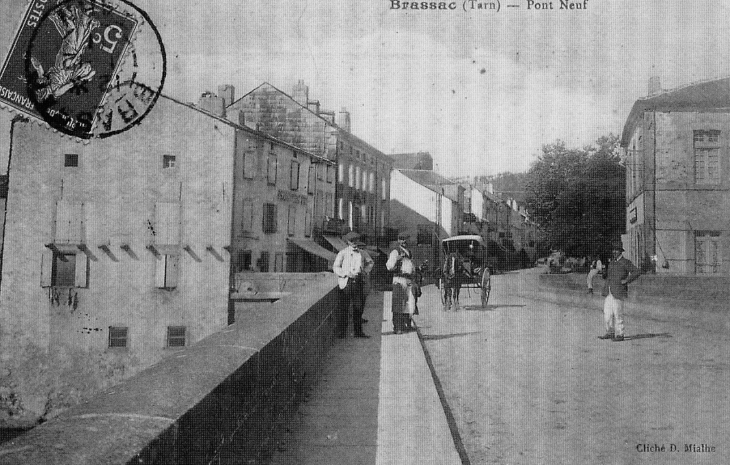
[[362, 173], [119, 250], [676, 149]]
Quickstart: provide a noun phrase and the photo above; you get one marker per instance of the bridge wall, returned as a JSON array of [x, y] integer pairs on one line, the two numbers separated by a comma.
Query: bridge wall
[[218, 401]]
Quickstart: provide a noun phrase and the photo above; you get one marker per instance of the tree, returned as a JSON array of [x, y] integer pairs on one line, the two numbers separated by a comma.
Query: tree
[[578, 196]]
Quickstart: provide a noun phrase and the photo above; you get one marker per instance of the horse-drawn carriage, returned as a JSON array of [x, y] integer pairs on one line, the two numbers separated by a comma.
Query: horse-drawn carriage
[[472, 251]]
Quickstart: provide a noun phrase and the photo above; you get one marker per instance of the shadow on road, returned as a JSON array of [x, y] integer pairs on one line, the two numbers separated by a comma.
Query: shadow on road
[[488, 308], [648, 335], [436, 337]]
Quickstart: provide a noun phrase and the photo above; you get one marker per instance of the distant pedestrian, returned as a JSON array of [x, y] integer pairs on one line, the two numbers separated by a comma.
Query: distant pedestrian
[[400, 262], [352, 266], [596, 268], [619, 273], [452, 270]]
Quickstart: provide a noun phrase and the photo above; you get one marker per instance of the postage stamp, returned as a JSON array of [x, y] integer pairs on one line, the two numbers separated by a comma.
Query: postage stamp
[[74, 64]]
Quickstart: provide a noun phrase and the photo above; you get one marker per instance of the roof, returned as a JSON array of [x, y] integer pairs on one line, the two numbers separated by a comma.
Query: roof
[[711, 96], [346, 134], [426, 177], [246, 128]]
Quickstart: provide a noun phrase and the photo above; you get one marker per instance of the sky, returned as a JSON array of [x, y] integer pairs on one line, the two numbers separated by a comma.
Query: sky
[[481, 90]]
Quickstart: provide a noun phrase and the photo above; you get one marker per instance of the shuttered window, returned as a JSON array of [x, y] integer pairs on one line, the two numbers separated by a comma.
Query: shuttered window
[[269, 218], [249, 164], [263, 262], [308, 222], [294, 176], [64, 269], [247, 215], [310, 179], [271, 168], [291, 220], [166, 271]]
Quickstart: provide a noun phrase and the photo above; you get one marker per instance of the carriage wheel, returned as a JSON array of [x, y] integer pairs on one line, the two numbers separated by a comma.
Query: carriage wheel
[[485, 291]]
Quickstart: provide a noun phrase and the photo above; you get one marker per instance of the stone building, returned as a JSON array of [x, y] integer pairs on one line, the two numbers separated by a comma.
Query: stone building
[[362, 174], [675, 145], [118, 250]]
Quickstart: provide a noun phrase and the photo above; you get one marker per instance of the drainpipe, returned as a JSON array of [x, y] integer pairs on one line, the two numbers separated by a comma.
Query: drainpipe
[[16, 119]]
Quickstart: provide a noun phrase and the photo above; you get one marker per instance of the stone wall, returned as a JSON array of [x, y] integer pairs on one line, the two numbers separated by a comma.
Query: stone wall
[[218, 401], [696, 300]]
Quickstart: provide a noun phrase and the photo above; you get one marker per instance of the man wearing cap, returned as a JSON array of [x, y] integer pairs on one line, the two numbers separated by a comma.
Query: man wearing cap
[[351, 266], [619, 274], [400, 262]]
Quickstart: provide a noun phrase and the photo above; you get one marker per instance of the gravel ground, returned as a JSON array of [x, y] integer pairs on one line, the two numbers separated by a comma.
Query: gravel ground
[[529, 382]]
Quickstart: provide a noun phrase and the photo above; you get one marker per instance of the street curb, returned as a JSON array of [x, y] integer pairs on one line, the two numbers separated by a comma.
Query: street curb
[[450, 420]]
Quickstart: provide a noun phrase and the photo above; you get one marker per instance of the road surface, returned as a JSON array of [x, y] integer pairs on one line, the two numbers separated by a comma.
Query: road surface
[[528, 382]]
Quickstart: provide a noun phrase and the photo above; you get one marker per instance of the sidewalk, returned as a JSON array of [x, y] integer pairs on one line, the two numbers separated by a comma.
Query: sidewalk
[[374, 404]]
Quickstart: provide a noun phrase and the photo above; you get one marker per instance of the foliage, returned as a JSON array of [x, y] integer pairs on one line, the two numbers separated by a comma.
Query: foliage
[[578, 196], [511, 184]]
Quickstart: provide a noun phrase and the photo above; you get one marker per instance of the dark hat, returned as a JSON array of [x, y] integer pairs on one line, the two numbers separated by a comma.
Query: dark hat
[[618, 246]]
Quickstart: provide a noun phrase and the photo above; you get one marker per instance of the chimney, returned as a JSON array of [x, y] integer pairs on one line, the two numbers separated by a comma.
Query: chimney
[[655, 85], [227, 92], [236, 116], [328, 115], [300, 93], [212, 104], [313, 106], [343, 119]]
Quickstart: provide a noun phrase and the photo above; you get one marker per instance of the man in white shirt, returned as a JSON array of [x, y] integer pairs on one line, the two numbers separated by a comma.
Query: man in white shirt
[[351, 266]]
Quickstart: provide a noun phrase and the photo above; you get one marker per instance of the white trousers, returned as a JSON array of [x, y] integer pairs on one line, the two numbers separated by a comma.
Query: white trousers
[[613, 315], [591, 274]]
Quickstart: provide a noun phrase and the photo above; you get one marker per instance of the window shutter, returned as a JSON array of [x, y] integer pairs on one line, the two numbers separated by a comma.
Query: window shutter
[[166, 271], [172, 270], [167, 223], [46, 268], [160, 263], [247, 220], [82, 265], [249, 165]]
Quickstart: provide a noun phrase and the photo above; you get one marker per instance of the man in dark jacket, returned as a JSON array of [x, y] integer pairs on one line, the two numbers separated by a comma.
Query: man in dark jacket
[[619, 274]]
